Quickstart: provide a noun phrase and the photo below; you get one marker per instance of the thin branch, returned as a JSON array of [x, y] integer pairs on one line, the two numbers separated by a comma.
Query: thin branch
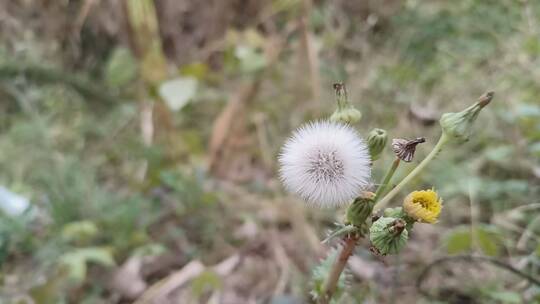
[[470, 258]]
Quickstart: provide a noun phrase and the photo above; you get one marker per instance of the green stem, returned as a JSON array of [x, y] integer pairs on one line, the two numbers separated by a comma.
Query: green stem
[[438, 147], [386, 180]]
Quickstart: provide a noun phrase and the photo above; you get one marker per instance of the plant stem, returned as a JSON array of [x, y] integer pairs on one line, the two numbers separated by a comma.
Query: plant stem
[[438, 147], [386, 179], [350, 243], [331, 282]]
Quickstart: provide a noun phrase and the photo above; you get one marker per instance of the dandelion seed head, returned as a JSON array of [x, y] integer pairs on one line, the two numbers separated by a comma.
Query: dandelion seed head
[[325, 163]]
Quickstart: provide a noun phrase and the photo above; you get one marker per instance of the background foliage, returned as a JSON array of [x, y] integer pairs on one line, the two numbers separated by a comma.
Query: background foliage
[[138, 142]]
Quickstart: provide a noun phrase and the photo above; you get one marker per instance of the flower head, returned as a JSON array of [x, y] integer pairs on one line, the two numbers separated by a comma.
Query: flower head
[[424, 206], [326, 163], [458, 125]]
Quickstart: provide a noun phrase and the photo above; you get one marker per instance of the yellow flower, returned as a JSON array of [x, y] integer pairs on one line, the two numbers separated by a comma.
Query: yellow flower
[[423, 206]]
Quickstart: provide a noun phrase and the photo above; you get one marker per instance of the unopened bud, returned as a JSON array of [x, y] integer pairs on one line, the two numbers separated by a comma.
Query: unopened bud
[[376, 140], [360, 209], [458, 125], [349, 115], [389, 235], [345, 112]]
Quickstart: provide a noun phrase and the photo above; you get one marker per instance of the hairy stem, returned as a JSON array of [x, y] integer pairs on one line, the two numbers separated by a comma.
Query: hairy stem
[[331, 282], [386, 199], [386, 180]]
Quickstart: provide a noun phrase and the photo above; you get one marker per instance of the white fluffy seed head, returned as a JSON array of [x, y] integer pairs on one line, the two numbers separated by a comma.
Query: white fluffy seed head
[[326, 163]]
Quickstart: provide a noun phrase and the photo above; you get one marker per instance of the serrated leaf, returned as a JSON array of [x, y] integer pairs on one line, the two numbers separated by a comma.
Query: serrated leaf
[[178, 92]]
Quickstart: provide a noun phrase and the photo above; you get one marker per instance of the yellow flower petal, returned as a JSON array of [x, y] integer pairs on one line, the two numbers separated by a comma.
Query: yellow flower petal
[[423, 206]]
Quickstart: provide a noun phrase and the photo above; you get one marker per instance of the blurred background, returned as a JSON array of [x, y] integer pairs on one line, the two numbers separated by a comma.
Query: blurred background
[[138, 144]]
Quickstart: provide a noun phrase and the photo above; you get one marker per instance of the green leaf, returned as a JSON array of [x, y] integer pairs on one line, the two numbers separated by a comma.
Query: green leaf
[[152, 249], [121, 68], [460, 240], [196, 69], [76, 261], [208, 280], [488, 241], [506, 297], [178, 92], [250, 59], [79, 231]]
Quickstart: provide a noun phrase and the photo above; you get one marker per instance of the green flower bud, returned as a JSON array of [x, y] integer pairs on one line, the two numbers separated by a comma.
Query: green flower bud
[[349, 115], [345, 112], [360, 209], [376, 140], [389, 235], [458, 125]]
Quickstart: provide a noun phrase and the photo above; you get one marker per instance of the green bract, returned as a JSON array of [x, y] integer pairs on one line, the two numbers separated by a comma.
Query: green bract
[[344, 113], [347, 115], [458, 126], [360, 210], [376, 140], [388, 235]]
